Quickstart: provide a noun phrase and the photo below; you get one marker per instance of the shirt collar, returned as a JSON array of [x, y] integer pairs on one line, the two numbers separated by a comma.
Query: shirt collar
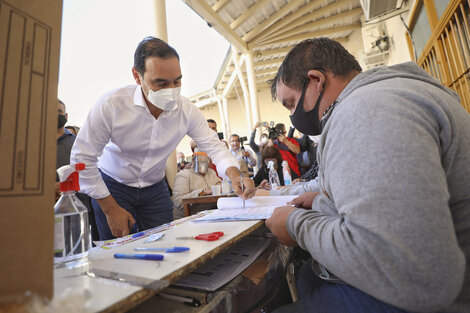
[[66, 133]]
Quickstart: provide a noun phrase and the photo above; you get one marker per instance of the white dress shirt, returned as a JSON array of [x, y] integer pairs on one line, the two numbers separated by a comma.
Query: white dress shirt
[[122, 138]]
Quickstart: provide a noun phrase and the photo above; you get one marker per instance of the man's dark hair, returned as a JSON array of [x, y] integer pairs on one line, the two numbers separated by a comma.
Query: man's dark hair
[[280, 127], [60, 101], [151, 46], [211, 121], [321, 54], [235, 135]]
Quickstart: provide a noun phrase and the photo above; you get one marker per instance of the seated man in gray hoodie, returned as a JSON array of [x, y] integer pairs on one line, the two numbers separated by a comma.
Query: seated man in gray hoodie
[[390, 229]]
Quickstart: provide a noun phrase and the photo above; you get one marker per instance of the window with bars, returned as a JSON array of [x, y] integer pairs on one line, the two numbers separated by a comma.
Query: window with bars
[[441, 37]]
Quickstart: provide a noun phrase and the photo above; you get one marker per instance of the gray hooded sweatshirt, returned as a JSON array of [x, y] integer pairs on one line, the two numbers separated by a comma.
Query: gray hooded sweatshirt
[[393, 215]]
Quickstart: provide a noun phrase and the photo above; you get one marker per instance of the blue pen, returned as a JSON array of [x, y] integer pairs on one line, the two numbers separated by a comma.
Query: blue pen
[[152, 257], [167, 250], [136, 235]]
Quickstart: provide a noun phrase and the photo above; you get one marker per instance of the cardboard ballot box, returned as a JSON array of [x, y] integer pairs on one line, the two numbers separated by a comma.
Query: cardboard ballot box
[[29, 65]]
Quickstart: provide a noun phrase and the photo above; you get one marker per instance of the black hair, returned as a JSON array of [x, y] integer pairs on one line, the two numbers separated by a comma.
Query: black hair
[[60, 101], [269, 152], [151, 46], [234, 135], [211, 121], [322, 54]]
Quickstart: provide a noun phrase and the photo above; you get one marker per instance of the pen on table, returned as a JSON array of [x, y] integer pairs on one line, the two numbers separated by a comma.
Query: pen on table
[[167, 250], [152, 257], [241, 182], [136, 235]]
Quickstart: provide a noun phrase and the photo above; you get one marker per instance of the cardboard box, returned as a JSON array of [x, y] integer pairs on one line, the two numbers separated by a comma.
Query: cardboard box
[[29, 65]]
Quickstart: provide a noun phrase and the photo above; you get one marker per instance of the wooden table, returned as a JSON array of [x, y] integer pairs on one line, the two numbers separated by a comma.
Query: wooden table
[[113, 296], [187, 202]]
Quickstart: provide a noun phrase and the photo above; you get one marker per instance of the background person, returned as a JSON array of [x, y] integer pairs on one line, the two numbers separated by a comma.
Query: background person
[[193, 182], [245, 158], [288, 147]]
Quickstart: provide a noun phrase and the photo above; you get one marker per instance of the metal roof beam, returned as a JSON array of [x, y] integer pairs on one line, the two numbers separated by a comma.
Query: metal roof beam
[[251, 10], [272, 19], [219, 5], [324, 32], [289, 21], [316, 24], [211, 17]]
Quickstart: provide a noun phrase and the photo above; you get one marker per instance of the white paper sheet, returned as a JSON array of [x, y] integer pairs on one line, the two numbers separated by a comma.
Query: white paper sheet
[[257, 208]]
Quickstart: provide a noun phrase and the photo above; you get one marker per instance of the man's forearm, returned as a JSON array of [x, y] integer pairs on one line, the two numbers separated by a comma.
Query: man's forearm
[[107, 204], [292, 147]]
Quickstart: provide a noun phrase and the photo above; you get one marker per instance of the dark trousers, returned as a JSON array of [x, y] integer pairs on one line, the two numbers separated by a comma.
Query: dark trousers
[[150, 206], [319, 296]]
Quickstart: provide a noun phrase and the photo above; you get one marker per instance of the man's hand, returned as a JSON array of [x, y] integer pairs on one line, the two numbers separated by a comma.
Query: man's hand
[[119, 220], [206, 192], [258, 124], [246, 154], [248, 185], [261, 192], [282, 138], [265, 184], [305, 200], [277, 223]]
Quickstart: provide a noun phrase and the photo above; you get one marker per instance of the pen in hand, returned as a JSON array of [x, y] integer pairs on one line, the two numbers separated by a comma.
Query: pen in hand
[[241, 182]]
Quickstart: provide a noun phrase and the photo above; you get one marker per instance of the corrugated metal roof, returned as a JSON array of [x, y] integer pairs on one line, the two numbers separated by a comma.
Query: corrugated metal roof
[[270, 28]]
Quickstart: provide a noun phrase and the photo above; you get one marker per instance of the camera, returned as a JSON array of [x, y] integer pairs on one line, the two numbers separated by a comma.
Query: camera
[[242, 139], [273, 132], [221, 135]]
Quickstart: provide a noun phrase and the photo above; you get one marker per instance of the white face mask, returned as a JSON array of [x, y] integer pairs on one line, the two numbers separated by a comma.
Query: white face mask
[[164, 99], [264, 140]]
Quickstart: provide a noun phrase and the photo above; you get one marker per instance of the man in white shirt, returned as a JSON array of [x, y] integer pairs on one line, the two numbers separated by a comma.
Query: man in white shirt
[[129, 134], [243, 156]]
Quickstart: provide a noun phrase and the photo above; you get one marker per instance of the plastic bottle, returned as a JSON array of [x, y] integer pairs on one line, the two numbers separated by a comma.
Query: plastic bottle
[[286, 173], [71, 226], [273, 177]]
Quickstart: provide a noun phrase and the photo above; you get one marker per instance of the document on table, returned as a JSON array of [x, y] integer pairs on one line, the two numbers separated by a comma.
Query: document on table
[[257, 208]]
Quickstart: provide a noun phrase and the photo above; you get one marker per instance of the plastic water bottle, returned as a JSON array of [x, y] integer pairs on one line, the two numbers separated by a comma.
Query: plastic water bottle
[[286, 173], [71, 226], [273, 177]]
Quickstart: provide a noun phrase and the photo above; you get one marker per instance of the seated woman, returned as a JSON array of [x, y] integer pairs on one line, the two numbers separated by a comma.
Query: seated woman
[[193, 182], [270, 153]]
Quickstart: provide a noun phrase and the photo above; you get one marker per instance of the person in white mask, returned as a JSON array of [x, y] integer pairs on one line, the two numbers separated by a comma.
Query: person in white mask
[[195, 181], [129, 134]]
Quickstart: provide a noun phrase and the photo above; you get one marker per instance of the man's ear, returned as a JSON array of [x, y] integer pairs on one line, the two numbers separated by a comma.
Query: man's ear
[[318, 78], [136, 75], [66, 116]]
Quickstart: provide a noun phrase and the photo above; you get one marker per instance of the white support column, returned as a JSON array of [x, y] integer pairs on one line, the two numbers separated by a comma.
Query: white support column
[[160, 20], [246, 95], [161, 33], [227, 121], [221, 113], [250, 72]]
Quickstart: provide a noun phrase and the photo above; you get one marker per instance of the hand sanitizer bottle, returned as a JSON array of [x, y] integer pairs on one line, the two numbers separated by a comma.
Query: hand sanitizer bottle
[[71, 226], [273, 177]]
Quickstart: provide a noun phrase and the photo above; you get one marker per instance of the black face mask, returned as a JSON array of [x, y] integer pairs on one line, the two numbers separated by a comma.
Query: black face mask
[[307, 122], [61, 121]]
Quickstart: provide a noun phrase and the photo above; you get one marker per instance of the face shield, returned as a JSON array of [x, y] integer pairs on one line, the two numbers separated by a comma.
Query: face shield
[[201, 162]]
